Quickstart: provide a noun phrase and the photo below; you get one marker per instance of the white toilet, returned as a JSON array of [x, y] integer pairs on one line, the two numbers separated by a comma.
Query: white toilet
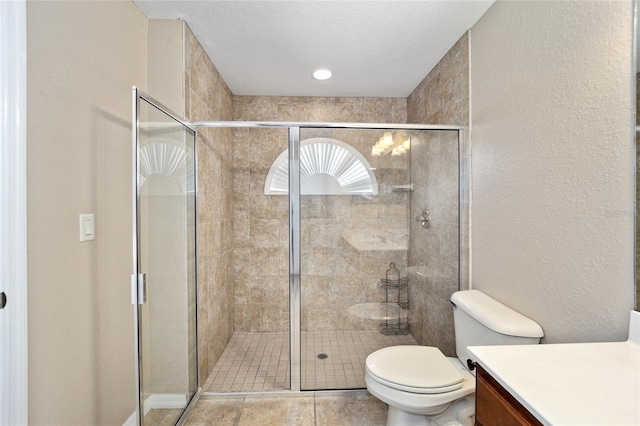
[[423, 387]]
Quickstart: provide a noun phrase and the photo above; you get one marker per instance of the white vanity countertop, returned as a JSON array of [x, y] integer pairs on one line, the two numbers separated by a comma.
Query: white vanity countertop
[[570, 384]]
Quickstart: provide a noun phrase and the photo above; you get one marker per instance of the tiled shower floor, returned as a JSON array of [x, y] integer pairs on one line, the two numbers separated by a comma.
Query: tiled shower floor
[[260, 361]]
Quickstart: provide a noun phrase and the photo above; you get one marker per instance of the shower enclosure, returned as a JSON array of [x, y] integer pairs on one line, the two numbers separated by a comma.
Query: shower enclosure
[[322, 212]]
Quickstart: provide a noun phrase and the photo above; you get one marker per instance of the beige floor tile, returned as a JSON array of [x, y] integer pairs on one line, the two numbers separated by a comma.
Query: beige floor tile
[[350, 410], [298, 411], [170, 418], [153, 417], [354, 409], [157, 417], [220, 412]]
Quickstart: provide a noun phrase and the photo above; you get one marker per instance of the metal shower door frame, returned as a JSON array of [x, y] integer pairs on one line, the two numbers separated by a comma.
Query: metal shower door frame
[[137, 281], [295, 289]]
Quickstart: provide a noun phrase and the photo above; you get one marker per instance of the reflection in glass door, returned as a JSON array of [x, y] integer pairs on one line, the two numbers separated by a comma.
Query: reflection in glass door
[[363, 254], [165, 270], [353, 225]]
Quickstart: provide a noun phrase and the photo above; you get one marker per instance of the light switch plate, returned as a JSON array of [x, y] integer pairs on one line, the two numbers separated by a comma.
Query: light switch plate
[[87, 227]]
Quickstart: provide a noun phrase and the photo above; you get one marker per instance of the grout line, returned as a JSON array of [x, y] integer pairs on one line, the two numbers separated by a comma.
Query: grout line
[[315, 410], [259, 357]]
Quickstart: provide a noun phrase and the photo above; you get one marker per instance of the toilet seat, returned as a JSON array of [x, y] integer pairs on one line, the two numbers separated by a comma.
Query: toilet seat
[[416, 369]]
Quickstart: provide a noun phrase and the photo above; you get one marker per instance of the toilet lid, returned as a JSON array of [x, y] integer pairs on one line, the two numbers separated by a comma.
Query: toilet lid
[[423, 369]]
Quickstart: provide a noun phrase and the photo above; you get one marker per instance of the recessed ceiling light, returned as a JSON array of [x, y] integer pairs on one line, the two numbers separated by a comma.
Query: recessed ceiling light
[[322, 74]]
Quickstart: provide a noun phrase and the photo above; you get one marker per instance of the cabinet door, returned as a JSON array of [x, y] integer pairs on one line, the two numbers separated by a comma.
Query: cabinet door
[[495, 406]]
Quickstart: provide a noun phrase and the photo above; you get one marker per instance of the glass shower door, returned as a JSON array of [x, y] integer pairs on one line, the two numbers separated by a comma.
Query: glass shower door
[[379, 246], [354, 211], [166, 264]]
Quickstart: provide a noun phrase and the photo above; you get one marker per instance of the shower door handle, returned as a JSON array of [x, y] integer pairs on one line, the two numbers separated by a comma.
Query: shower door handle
[[138, 289]]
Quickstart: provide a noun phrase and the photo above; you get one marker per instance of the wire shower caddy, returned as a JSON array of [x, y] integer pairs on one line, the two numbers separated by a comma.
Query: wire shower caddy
[[396, 302]]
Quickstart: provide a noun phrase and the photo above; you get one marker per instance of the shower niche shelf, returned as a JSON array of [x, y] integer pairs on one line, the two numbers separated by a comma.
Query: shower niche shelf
[[377, 311], [396, 303]]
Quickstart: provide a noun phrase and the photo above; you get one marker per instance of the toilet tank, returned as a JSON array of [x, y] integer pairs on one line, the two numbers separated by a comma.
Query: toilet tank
[[480, 320]]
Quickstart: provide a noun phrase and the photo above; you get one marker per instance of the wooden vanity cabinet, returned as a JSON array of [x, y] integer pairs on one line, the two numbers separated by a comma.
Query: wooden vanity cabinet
[[495, 406]]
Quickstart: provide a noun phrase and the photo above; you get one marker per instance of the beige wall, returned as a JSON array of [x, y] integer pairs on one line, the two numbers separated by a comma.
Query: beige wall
[[165, 63], [83, 58], [552, 198], [637, 261], [436, 269]]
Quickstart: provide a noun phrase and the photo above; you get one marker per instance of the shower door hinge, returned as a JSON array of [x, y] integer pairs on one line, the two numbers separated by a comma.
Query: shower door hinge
[[138, 289]]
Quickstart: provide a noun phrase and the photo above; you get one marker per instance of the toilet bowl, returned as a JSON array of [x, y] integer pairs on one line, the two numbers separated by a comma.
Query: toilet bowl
[[423, 387]]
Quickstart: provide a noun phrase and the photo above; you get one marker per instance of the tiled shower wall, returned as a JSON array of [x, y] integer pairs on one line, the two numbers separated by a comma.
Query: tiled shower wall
[[242, 247], [434, 264], [207, 98], [335, 275]]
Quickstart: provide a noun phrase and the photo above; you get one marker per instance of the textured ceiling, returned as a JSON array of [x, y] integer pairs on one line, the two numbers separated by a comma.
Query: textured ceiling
[[373, 48]]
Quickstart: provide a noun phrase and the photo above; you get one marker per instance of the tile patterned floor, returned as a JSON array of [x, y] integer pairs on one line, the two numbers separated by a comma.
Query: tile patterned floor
[[352, 409], [260, 361], [252, 362]]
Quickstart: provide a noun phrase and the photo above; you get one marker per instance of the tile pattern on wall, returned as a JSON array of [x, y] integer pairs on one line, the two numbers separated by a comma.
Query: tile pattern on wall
[[335, 273], [435, 266], [331, 268], [207, 97]]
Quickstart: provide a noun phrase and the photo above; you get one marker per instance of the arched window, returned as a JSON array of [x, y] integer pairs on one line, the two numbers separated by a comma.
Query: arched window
[[327, 167]]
